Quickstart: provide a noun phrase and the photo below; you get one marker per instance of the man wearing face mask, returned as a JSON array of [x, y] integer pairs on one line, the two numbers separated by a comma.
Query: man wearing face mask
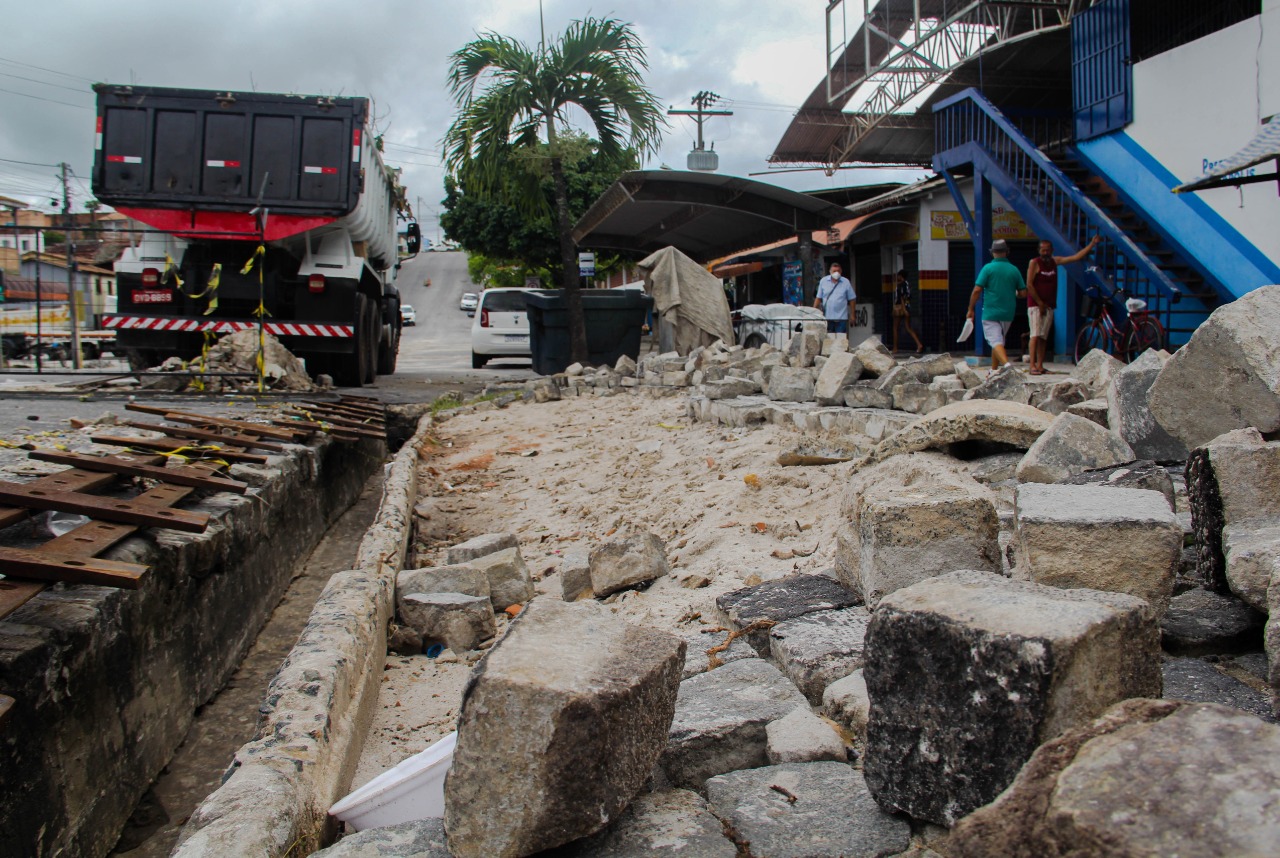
[[837, 300], [1042, 296]]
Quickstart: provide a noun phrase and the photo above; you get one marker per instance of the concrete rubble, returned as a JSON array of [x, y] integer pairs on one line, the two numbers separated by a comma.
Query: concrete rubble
[[1209, 785], [607, 695], [1007, 666], [979, 673], [819, 809], [911, 518], [238, 353], [1113, 539]]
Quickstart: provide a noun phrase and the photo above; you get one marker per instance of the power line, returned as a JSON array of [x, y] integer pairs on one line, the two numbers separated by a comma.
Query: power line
[[42, 98], [43, 69], [28, 163], [44, 82], [412, 163]]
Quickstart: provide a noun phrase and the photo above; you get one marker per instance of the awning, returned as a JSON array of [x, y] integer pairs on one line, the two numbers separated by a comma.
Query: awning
[[704, 215], [1264, 146], [737, 269]]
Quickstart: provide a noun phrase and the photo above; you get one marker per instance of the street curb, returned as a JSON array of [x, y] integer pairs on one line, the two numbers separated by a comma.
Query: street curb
[[276, 794]]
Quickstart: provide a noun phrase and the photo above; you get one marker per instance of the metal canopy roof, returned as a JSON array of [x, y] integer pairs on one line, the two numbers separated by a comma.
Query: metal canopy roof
[[705, 216], [1031, 71], [1264, 146]]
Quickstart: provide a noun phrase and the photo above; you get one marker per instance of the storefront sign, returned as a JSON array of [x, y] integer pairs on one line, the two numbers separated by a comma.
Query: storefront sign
[[1005, 223]]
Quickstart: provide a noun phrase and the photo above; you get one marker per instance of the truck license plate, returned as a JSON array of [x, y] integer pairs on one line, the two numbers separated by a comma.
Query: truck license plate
[[149, 296]]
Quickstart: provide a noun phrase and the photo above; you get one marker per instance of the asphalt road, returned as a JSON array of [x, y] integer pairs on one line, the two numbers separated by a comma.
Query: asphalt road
[[437, 350], [435, 359]]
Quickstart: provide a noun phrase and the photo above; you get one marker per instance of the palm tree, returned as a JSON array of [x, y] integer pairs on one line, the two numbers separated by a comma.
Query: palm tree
[[509, 95]]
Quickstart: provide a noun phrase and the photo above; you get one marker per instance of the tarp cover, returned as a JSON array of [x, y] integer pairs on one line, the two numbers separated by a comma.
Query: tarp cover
[[688, 298]]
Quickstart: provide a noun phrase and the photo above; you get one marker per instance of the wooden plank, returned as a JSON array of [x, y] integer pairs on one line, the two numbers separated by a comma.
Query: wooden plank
[[205, 420], [332, 415], [70, 480], [364, 400], [168, 447], [14, 594], [339, 432], [346, 411], [106, 509], [87, 540], [373, 411], [28, 563], [353, 425], [205, 435], [138, 466]]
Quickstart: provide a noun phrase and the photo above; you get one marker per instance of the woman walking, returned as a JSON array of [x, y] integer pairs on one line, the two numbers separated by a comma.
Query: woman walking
[[902, 311]]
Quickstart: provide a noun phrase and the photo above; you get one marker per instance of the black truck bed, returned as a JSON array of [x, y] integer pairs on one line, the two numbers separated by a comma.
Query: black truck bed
[[164, 148]]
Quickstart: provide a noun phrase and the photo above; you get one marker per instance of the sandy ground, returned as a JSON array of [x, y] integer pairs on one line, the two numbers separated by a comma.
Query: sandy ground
[[567, 476]]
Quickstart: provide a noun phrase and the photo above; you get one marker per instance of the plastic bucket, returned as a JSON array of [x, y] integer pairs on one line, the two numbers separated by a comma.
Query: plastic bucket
[[412, 790]]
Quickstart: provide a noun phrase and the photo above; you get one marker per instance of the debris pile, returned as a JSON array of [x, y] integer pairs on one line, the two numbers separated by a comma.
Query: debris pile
[[237, 353], [1023, 569]]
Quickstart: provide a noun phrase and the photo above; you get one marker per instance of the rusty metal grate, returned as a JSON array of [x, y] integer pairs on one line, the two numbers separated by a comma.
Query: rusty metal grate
[[192, 456]]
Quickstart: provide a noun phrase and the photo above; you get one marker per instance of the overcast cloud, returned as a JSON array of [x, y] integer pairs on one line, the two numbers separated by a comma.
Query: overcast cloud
[[762, 56]]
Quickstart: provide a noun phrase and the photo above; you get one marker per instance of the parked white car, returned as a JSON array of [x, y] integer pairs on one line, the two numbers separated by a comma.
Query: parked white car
[[468, 302], [500, 327], [773, 323], [408, 315]]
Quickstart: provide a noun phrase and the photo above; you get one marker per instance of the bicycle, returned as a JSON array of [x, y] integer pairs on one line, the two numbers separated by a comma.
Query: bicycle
[[1139, 332]]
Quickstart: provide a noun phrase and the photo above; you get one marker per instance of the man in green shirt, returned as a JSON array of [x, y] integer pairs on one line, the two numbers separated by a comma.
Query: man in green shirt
[[1000, 285]]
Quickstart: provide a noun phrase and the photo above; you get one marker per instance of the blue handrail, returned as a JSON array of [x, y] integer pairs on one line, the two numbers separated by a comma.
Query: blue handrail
[[970, 128]]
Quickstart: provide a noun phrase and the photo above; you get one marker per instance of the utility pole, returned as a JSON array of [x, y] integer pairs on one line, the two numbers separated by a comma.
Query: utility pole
[[71, 267], [702, 101]]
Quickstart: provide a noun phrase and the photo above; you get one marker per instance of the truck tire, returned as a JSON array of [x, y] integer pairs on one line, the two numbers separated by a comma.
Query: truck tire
[[373, 330], [350, 370], [388, 350]]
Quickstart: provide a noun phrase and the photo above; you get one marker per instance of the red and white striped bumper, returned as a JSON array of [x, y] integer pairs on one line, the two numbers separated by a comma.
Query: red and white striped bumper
[[225, 326]]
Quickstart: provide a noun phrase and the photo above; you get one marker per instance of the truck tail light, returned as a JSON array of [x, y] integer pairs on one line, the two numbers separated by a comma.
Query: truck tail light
[[484, 318], [150, 278], [315, 283]]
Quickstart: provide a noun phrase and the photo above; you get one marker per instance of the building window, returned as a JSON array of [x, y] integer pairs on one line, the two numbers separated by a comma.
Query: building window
[[26, 245]]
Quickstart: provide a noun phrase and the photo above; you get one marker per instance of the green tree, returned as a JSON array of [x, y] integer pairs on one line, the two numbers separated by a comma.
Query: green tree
[[493, 226], [509, 95]]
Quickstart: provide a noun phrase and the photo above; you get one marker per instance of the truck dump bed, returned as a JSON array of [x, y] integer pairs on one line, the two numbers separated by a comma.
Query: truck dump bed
[[198, 161]]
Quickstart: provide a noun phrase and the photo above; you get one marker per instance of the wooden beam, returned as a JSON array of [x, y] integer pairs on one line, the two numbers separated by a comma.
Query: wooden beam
[[206, 435], [138, 466], [106, 509], [159, 445]]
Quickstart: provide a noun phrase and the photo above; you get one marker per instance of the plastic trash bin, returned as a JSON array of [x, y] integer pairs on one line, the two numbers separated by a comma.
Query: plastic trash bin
[[614, 319]]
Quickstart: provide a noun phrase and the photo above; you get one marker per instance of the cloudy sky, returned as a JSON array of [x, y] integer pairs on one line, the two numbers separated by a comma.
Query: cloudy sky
[[762, 56]]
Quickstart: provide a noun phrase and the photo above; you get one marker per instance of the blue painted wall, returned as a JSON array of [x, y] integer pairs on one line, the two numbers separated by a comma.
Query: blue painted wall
[[1185, 219]]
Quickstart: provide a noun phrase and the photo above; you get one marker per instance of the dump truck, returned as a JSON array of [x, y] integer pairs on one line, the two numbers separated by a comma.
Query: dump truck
[[261, 209]]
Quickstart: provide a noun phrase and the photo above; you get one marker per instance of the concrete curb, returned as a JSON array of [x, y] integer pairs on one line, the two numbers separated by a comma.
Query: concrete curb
[[276, 795]]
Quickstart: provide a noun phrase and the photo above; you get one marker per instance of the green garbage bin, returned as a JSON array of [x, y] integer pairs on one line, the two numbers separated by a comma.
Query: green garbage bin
[[614, 319]]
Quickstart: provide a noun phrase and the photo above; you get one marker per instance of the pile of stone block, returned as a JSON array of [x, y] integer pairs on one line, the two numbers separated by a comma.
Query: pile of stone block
[[1009, 657], [454, 606]]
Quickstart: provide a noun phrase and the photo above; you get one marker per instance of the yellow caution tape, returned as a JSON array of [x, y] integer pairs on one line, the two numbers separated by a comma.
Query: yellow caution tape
[[257, 254], [171, 271]]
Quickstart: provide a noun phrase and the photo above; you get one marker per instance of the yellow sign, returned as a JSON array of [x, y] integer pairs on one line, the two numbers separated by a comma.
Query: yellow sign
[[1005, 223], [58, 314]]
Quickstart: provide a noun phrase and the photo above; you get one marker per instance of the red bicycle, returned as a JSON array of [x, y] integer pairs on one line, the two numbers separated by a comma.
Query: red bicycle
[[1126, 340]]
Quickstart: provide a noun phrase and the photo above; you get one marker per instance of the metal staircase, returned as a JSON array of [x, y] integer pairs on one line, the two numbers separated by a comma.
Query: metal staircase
[[973, 138]]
